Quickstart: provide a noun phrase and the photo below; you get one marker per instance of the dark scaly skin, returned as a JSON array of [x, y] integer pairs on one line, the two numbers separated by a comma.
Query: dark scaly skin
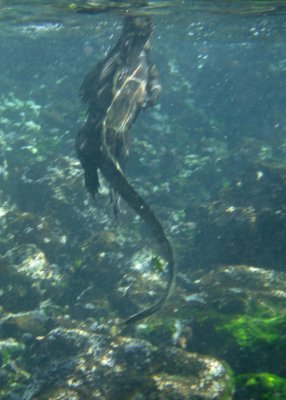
[[116, 90]]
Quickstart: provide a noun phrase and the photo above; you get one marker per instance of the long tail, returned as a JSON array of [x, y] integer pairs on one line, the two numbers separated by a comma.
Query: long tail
[[112, 172]]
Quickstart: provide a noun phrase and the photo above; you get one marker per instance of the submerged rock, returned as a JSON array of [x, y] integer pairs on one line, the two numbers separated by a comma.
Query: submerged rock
[[16, 291], [192, 376], [238, 313], [82, 364], [31, 323], [245, 221], [261, 386]]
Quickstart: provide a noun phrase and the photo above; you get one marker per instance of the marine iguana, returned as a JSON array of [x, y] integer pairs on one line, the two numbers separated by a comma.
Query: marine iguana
[[116, 89]]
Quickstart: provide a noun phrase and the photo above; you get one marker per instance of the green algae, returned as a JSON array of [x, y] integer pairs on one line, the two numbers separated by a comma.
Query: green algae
[[250, 331], [158, 264], [9, 349], [12, 375], [262, 386]]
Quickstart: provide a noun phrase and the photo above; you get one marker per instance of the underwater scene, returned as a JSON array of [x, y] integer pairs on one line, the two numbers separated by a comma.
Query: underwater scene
[[142, 200]]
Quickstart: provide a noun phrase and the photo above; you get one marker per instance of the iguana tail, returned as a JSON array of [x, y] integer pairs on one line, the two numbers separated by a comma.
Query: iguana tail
[[112, 172]]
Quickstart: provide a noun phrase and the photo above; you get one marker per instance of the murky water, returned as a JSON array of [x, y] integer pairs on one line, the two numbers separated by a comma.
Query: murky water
[[209, 158]]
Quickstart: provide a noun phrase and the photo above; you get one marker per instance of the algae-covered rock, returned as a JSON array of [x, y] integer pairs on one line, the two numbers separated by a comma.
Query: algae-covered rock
[[193, 376], [9, 349], [16, 325], [238, 313], [161, 330], [16, 290], [260, 386], [12, 374], [96, 362]]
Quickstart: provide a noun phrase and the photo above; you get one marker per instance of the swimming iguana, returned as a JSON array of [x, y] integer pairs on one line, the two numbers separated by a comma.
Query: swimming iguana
[[116, 90]]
